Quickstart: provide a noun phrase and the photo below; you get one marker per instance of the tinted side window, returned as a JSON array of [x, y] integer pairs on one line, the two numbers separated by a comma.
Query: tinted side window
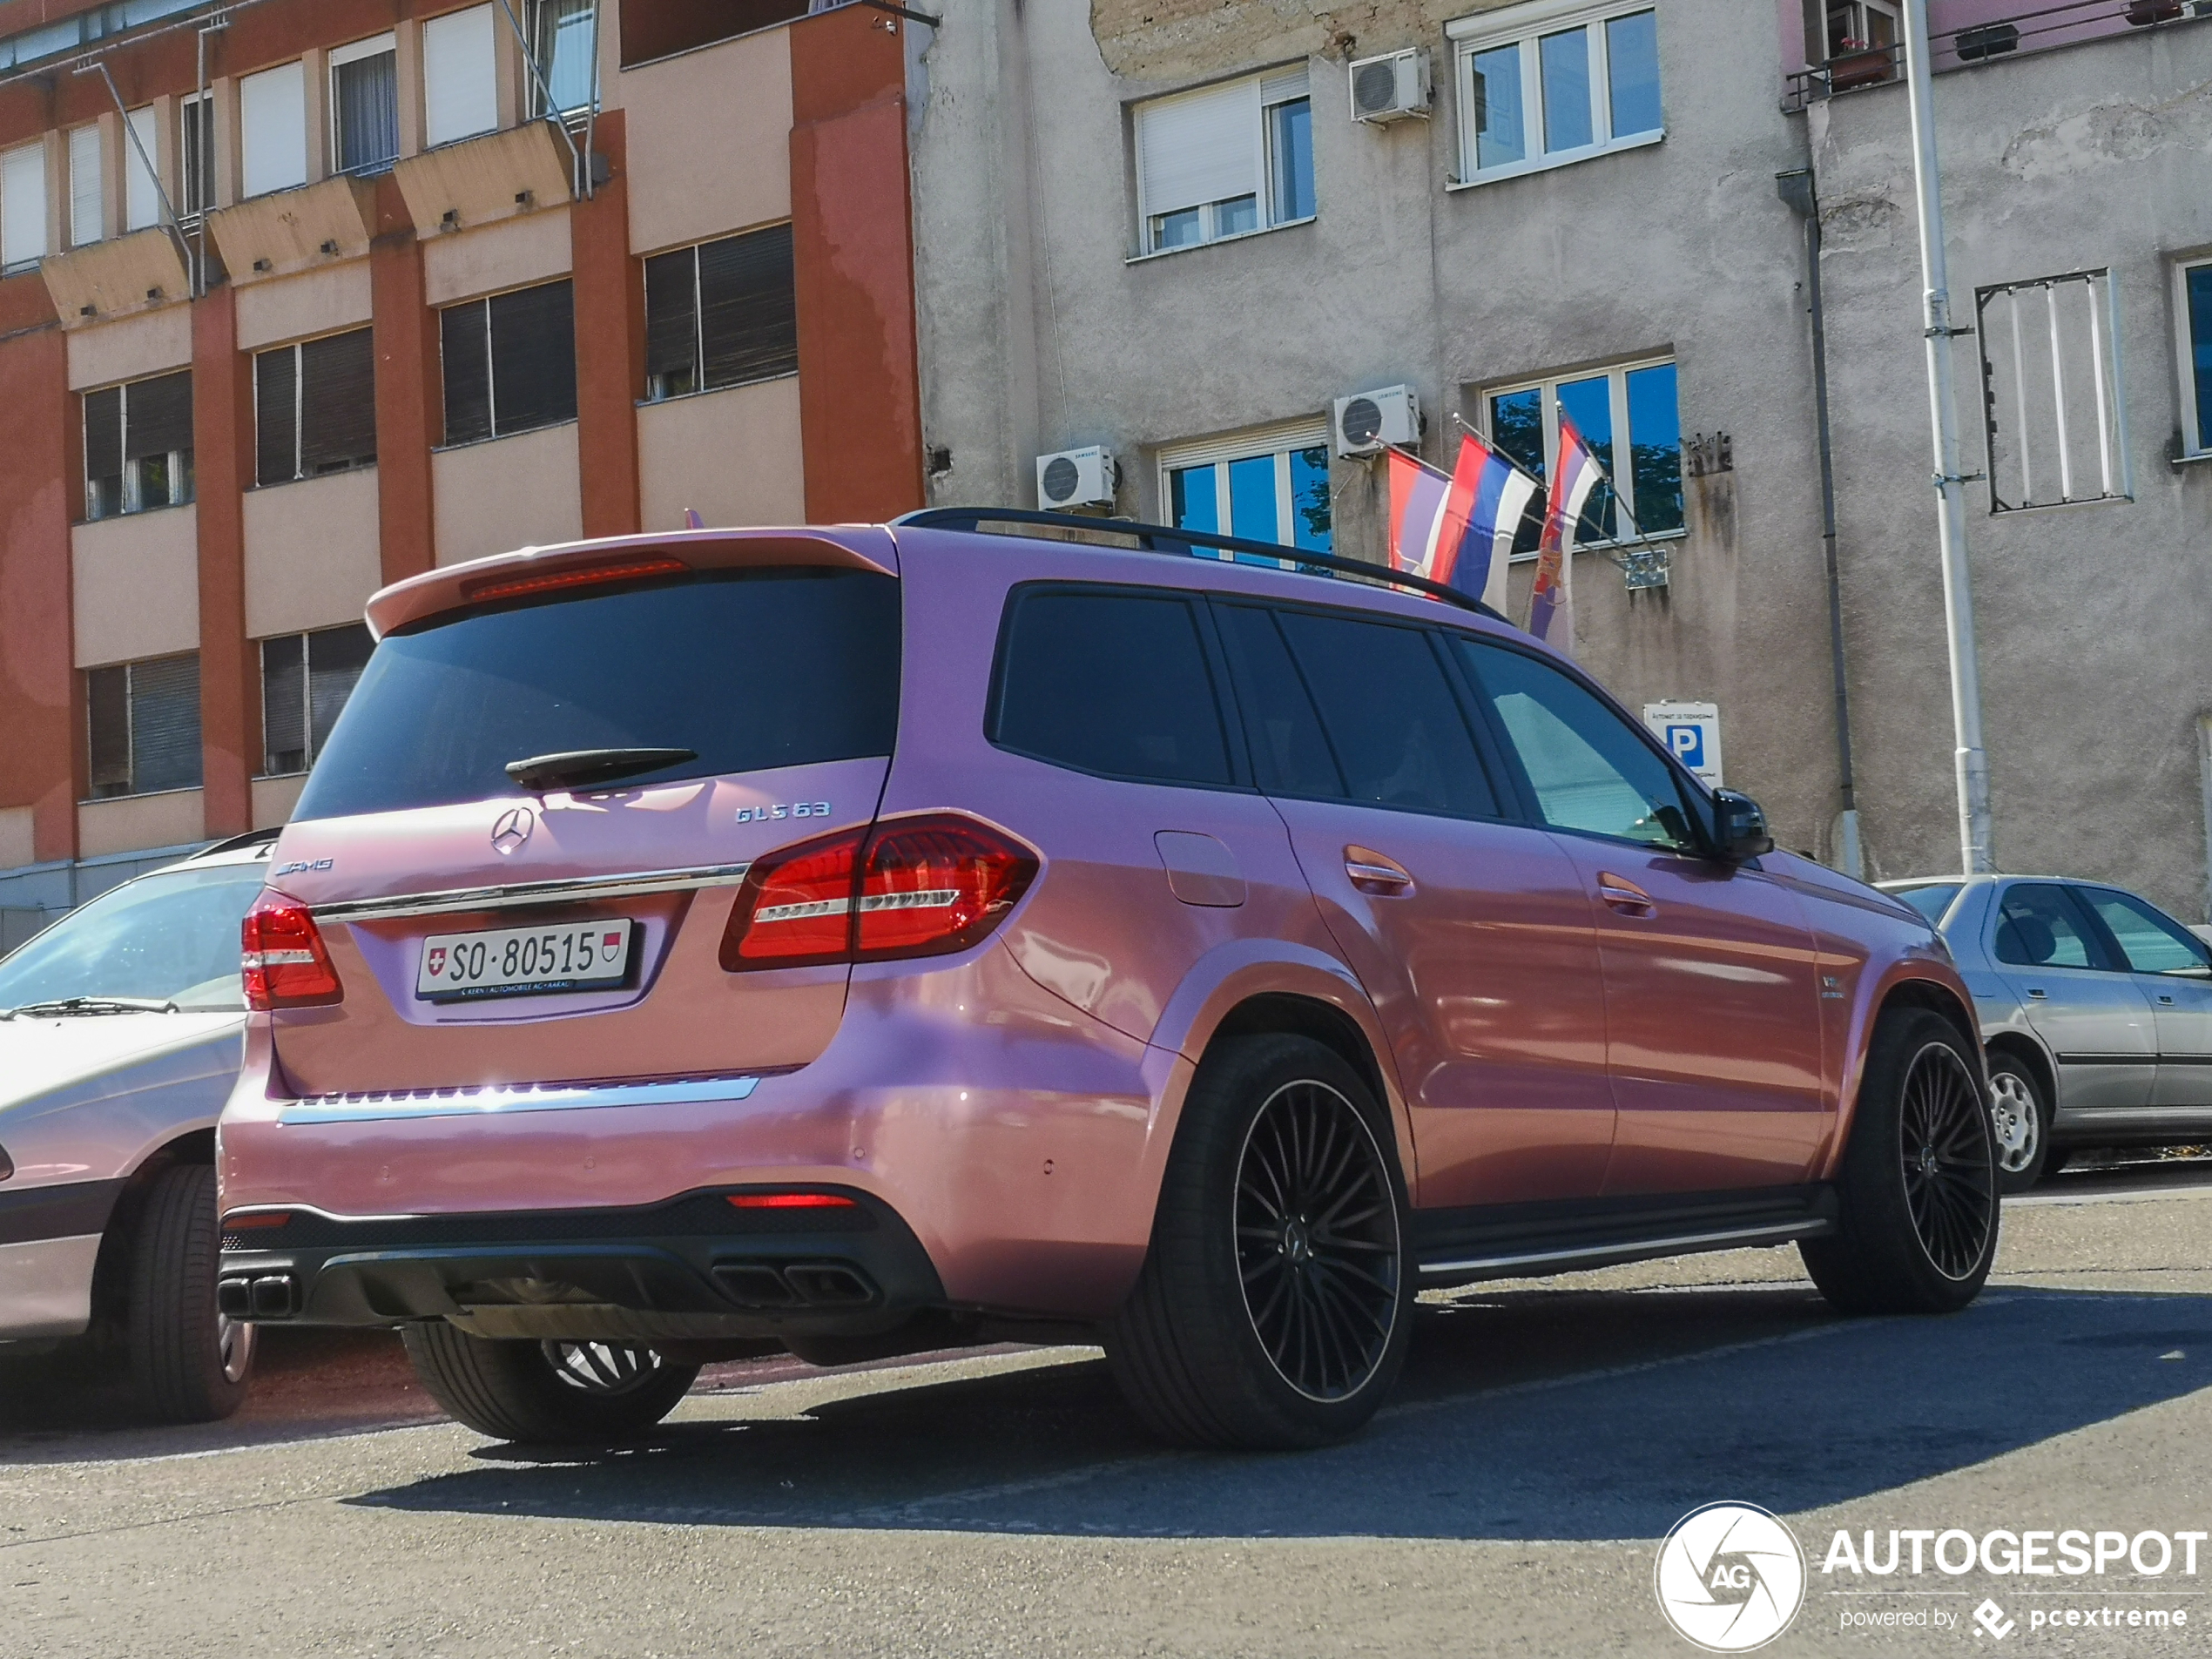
[[1290, 751], [2037, 927], [1113, 682], [2152, 941], [1933, 902], [1589, 769], [1387, 709]]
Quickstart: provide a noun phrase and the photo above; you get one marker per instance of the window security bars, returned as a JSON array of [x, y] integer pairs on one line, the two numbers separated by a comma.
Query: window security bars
[[2054, 423]]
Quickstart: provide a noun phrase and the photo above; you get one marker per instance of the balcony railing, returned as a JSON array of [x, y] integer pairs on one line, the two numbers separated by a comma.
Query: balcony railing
[[1965, 34]]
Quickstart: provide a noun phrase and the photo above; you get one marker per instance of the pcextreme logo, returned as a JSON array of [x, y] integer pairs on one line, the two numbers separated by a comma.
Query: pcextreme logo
[[1729, 1577]]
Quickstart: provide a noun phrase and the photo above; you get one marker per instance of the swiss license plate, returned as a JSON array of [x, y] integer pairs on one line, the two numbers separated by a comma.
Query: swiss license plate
[[525, 961]]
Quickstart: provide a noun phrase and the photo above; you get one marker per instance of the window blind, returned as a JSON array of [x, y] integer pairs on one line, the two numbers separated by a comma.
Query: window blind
[[748, 311], [165, 724], [672, 323], [533, 357], [23, 203], [284, 706], [460, 78], [468, 372], [365, 105], [276, 414], [273, 128], [335, 658], [103, 450], [337, 403], [86, 201], [141, 196], [1196, 147], [107, 707], [156, 415], [1285, 84], [196, 158]]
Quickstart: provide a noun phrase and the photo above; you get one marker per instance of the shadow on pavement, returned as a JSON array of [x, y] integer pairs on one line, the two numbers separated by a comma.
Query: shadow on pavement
[[1562, 1415]]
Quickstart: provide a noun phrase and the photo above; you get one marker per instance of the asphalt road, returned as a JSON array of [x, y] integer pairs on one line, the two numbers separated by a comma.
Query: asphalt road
[[1510, 1500]]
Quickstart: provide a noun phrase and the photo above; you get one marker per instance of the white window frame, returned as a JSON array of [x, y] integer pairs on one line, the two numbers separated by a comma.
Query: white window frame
[[2196, 437], [339, 57], [95, 197], [24, 223], [1470, 36], [1286, 84], [1280, 441], [142, 178], [447, 83], [277, 93], [534, 95], [1616, 392], [189, 208], [1881, 7]]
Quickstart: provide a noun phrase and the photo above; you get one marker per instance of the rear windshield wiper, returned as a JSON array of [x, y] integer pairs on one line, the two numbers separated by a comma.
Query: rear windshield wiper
[[575, 768], [93, 1005]]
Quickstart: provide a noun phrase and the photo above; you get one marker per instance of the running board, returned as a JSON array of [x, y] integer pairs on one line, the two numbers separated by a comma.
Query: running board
[[1535, 1263], [1562, 1235]]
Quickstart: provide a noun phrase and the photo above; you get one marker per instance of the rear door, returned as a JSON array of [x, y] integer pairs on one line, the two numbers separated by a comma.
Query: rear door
[[1470, 931], [2081, 1000], [485, 932], [2173, 971], [1712, 1012]]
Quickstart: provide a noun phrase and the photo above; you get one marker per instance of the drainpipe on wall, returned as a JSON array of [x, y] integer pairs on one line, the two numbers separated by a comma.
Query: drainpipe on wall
[[2204, 772], [1795, 188]]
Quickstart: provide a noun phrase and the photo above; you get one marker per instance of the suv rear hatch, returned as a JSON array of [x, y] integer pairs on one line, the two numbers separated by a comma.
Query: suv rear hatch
[[567, 924]]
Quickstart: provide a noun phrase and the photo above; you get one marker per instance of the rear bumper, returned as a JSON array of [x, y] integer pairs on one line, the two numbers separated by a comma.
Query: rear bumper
[[695, 1266]]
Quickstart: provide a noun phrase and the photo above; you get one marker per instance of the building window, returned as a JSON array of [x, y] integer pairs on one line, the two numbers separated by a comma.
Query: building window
[[722, 313], [2195, 312], [141, 155], [87, 191], [657, 29], [196, 153], [143, 721], [1562, 85], [365, 105], [460, 76], [272, 129], [1631, 408], [23, 205], [314, 407], [1862, 42], [1264, 487], [137, 446], [1224, 160], [510, 362], [305, 679], [564, 39]]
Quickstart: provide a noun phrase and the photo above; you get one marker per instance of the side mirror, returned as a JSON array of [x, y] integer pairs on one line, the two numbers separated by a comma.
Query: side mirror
[[1739, 826]]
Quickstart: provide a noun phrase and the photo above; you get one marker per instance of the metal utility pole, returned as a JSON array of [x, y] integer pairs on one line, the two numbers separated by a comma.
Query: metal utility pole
[[1974, 842]]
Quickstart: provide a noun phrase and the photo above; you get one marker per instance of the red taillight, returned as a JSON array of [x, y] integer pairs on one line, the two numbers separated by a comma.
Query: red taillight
[[791, 1201], [283, 959], [255, 1220], [514, 587], [915, 887]]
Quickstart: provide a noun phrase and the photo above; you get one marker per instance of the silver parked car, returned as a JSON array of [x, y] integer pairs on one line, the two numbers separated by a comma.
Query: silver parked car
[[121, 1032], [2095, 1007]]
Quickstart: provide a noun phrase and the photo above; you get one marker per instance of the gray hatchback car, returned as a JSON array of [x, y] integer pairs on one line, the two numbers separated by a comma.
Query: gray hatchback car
[[2095, 1008]]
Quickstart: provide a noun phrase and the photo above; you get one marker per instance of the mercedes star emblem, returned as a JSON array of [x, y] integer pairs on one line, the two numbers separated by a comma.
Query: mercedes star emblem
[[513, 829]]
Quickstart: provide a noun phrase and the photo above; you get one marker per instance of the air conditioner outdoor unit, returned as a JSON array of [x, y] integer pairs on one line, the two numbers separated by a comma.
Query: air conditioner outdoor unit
[[1390, 88], [1369, 422], [1076, 478]]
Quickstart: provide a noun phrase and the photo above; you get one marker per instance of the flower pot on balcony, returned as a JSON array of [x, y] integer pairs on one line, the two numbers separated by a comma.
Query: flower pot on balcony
[[1869, 67]]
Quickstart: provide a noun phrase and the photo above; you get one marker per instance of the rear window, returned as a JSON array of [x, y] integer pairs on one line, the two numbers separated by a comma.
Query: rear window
[[752, 670], [1115, 682], [1933, 901]]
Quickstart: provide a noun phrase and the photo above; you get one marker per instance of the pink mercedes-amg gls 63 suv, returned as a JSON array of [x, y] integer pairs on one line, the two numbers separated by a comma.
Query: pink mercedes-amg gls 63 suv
[[867, 939]]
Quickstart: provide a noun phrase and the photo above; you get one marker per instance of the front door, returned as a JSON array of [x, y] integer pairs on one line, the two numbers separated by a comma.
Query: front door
[[2082, 1003], [2173, 970], [1470, 933], [1713, 1027]]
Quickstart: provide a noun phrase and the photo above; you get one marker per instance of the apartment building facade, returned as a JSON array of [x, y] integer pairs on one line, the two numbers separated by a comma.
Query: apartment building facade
[[1181, 232], [300, 297]]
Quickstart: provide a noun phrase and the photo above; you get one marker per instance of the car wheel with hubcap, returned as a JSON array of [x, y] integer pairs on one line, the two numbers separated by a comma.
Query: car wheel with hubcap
[[1918, 1186], [2021, 1121], [1275, 1303], [190, 1362], [561, 1391]]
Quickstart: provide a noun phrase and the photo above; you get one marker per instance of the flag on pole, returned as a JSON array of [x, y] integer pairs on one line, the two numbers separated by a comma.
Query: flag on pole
[[1575, 475], [1458, 530]]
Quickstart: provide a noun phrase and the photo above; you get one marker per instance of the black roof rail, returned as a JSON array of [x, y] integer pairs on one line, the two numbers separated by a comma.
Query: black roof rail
[[1162, 538], [231, 844]]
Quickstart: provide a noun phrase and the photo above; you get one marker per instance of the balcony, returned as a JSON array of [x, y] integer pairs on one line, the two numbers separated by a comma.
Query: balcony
[[104, 281], [1967, 34]]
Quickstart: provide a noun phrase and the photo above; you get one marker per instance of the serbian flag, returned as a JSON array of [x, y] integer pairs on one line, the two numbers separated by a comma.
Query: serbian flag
[[1458, 530], [1575, 474]]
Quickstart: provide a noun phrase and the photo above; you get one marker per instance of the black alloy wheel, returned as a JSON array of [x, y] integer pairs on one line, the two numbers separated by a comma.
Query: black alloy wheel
[[1318, 1250], [602, 1368], [1949, 1183], [563, 1391]]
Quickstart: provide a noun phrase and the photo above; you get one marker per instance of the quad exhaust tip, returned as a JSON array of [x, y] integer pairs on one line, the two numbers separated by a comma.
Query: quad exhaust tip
[[774, 1284]]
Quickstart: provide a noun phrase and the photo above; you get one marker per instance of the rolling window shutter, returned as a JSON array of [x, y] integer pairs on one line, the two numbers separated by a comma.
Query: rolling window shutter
[[1201, 146], [272, 127], [1285, 85], [156, 415], [165, 724], [672, 321], [460, 83], [141, 196], [335, 658], [284, 706], [468, 372], [276, 457], [86, 201], [748, 313], [533, 357], [337, 403], [107, 698], [23, 204], [103, 434]]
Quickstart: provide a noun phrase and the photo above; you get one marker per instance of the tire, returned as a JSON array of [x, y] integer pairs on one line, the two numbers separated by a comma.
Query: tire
[[189, 1363], [565, 1392], [1276, 1301], [2021, 1121], [1918, 1183]]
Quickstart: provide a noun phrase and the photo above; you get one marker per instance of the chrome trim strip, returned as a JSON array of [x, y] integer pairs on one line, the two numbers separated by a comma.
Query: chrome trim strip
[[511, 896], [1778, 1232], [496, 1099]]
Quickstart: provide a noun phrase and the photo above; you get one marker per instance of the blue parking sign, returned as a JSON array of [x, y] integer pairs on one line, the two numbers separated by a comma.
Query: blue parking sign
[[1687, 744]]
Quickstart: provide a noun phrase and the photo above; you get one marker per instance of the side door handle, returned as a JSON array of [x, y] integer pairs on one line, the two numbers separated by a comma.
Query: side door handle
[[2165, 1001], [1624, 896], [1377, 875], [2038, 992]]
